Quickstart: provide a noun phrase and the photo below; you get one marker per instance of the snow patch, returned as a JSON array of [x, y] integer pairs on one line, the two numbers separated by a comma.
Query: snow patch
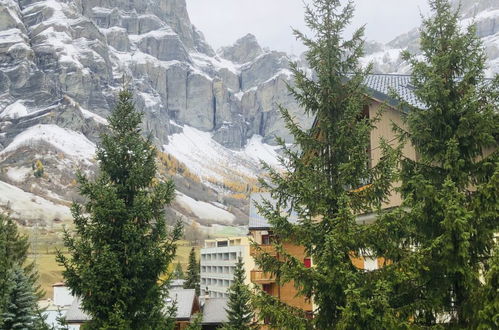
[[14, 111], [210, 160], [88, 114], [205, 210], [259, 151], [29, 206], [18, 174], [204, 61], [11, 36], [68, 141]]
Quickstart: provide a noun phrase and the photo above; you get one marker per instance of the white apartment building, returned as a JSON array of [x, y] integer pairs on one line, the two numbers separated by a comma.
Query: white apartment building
[[218, 261]]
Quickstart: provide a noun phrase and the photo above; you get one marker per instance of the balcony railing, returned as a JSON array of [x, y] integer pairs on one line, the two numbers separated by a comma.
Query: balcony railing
[[270, 249], [260, 277]]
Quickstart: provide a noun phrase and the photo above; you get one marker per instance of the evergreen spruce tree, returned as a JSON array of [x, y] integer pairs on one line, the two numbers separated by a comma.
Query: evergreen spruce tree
[[14, 253], [192, 277], [239, 310], [121, 246], [21, 311], [451, 191], [319, 184], [178, 273]]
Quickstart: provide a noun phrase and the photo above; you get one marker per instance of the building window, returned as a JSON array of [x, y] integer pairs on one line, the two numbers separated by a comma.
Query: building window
[[267, 288], [222, 244], [307, 262], [268, 239]]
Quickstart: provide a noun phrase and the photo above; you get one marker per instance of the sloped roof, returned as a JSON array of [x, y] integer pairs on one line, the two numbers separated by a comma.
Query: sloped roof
[[75, 313], [381, 86], [214, 311], [184, 299], [256, 221]]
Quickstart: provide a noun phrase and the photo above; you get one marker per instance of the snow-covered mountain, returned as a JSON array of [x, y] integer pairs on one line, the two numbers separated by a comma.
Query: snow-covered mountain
[[61, 65], [213, 114], [484, 13]]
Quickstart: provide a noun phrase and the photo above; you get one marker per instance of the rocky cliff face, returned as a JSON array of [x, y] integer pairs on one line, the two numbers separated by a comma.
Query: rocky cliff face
[[83, 50], [61, 65], [484, 13]]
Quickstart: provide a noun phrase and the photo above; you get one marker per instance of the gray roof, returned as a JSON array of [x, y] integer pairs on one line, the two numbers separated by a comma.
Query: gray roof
[[214, 311], [184, 299], [256, 221], [381, 86], [75, 313]]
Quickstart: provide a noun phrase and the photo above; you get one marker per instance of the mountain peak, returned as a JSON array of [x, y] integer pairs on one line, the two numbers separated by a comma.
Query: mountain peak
[[244, 50]]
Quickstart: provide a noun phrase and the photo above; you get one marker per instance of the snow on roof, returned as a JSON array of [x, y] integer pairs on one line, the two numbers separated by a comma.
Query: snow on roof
[[381, 86]]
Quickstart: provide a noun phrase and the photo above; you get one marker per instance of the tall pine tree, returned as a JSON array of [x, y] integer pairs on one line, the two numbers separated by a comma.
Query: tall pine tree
[[319, 184], [192, 278], [450, 192], [121, 247], [239, 310]]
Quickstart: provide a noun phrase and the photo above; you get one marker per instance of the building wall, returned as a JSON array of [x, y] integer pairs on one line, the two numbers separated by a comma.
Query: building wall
[[218, 264], [384, 129], [62, 296], [286, 293]]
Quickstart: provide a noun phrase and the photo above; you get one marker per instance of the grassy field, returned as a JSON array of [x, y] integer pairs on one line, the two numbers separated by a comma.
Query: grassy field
[[44, 244]]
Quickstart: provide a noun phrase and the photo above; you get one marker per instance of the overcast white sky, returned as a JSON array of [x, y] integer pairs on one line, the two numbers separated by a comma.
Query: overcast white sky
[[224, 21]]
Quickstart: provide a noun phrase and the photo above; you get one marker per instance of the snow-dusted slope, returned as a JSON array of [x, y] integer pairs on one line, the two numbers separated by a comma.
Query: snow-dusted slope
[[30, 207], [209, 159], [484, 13], [67, 141], [63, 62]]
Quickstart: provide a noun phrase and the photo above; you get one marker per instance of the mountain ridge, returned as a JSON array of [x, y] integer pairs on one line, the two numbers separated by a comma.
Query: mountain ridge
[[214, 112]]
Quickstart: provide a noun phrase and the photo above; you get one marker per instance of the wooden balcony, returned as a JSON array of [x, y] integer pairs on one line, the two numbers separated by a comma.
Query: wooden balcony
[[264, 248], [259, 277]]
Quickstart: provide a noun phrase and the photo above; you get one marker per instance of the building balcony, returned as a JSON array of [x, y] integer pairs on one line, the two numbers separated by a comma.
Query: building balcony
[[270, 249], [259, 277]]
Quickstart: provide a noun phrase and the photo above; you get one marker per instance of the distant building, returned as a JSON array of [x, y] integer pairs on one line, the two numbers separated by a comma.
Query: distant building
[[58, 305], [218, 261]]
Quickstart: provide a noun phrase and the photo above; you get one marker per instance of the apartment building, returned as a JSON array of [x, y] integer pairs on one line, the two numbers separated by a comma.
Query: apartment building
[[218, 261]]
